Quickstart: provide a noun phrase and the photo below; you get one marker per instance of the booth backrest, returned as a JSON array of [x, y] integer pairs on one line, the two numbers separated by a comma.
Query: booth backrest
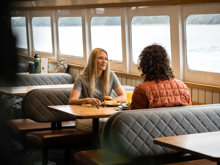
[[35, 104], [131, 132], [26, 79], [12, 104]]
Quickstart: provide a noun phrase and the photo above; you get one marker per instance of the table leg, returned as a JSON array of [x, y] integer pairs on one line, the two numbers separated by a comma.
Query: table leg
[[95, 131], [53, 125], [56, 125]]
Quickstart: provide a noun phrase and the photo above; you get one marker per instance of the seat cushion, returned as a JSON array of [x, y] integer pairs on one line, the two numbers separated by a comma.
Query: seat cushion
[[99, 156], [21, 126], [26, 79], [60, 138]]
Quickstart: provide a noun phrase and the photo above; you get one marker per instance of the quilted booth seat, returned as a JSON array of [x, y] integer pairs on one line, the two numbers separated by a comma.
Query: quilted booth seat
[[35, 103], [131, 133], [12, 104], [34, 106], [26, 79], [19, 123]]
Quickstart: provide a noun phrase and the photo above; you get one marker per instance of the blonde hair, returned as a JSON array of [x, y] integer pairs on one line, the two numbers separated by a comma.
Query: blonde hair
[[90, 71]]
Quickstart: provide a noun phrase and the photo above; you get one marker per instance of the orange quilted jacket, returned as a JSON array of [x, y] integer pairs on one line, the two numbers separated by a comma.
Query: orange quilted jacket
[[166, 93]]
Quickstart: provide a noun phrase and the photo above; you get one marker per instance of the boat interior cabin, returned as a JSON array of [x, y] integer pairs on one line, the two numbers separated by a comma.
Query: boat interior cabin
[[46, 45]]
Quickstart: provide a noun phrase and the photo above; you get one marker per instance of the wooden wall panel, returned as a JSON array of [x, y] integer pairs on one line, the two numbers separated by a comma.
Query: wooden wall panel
[[74, 72], [133, 82], [216, 97], [208, 97], [194, 95], [139, 82], [123, 80], [201, 96], [190, 91], [129, 81]]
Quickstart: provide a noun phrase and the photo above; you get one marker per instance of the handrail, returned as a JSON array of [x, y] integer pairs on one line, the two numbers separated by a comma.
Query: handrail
[[203, 86]]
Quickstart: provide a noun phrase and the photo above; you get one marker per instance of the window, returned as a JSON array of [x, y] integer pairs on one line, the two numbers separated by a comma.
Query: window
[[203, 42], [70, 36], [18, 25], [147, 30], [106, 34], [42, 34]]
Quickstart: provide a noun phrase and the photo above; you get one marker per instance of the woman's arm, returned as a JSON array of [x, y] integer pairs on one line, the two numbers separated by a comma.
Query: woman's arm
[[74, 99], [139, 99], [121, 94]]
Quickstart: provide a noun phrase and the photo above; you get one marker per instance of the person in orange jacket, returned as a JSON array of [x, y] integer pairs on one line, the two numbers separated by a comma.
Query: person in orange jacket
[[160, 88]]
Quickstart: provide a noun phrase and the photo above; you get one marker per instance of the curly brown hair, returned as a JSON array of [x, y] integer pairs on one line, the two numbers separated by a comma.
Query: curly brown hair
[[154, 64]]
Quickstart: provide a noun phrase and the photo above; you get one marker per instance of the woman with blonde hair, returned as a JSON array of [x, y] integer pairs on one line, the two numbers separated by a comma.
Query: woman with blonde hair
[[95, 82]]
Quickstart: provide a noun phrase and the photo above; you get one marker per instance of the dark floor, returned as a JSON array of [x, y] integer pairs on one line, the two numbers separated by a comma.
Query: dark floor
[[32, 156], [55, 157]]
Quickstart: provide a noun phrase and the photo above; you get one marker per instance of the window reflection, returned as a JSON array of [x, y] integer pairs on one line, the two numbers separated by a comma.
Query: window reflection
[[203, 42], [18, 25], [42, 34], [70, 36], [106, 34], [147, 30]]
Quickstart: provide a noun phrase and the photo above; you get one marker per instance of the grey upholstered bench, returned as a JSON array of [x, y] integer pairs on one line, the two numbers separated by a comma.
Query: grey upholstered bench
[[26, 79], [35, 105], [60, 135], [130, 134], [20, 124], [12, 104]]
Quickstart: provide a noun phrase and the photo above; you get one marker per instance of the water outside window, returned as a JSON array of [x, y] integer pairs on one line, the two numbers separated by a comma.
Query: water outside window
[[70, 36], [106, 34], [18, 25], [42, 34], [147, 30], [203, 42]]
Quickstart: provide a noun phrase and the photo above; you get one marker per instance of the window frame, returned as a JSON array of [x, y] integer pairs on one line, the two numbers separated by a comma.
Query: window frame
[[46, 13], [22, 14], [69, 58], [202, 77], [109, 12], [173, 13]]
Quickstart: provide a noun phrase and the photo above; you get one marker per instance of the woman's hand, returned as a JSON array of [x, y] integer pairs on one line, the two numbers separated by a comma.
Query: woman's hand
[[93, 101], [74, 99]]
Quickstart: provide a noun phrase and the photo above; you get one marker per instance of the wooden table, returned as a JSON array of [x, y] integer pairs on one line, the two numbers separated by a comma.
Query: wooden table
[[22, 90], [86, 112], [205, 145]]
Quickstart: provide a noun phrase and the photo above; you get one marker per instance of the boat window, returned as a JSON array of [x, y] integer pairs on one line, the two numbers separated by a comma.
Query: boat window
[[203, 42], [18, 25], [70, 36], [147, 30], [42, 34], [106, 34]]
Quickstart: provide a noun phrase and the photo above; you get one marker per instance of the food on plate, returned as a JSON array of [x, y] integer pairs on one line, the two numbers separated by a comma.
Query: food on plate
[[110, 102], [107, 98]]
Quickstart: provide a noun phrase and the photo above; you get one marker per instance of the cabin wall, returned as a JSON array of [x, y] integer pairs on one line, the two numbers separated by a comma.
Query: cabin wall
[[204, 96], [200, 94]]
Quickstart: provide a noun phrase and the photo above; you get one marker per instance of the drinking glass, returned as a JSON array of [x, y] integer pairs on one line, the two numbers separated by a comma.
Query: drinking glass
[[129, 97]]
